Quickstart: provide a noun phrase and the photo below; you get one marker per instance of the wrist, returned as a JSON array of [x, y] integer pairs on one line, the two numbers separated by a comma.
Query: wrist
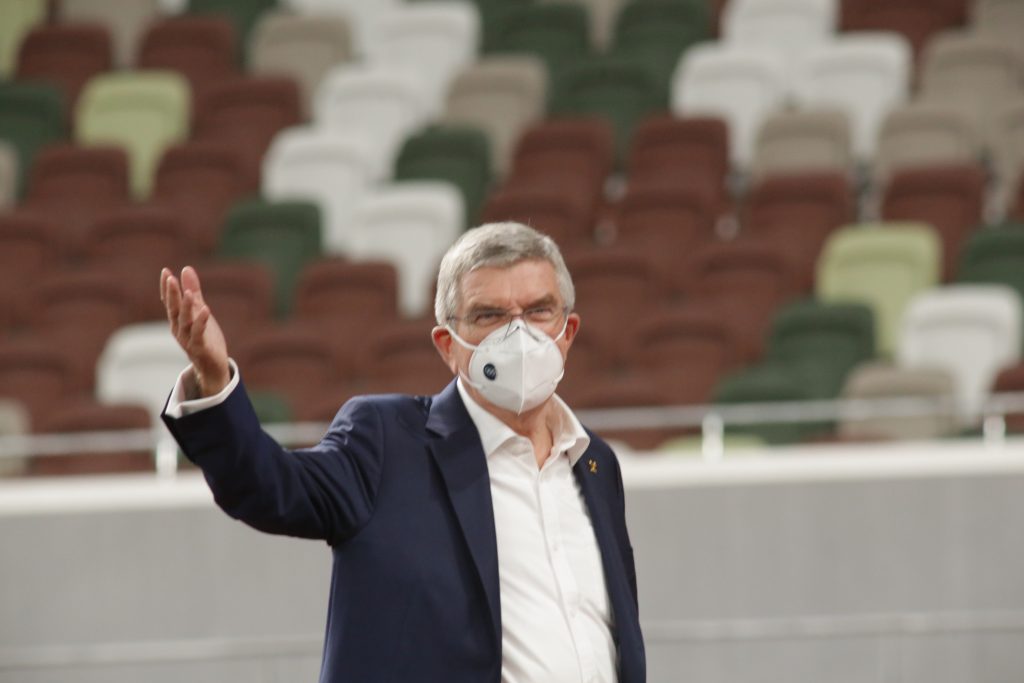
[[211, 383]]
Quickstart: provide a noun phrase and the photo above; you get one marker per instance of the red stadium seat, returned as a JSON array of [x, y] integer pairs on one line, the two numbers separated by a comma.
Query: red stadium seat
[[202, 49], [66, 55], [89, 416]]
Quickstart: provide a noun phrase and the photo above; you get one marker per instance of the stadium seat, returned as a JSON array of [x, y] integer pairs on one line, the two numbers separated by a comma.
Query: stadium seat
[[65, 55], [915, 20], [949, 198], [140, 238], [799, 211], [31, 116], [789, 27], [8, 176], [19, 18], [657, 33], [1011, 380], [200, 48], [244, 14], [1016, 212], [293, 360], [345, 297], [143, 112], [768, 383], [994, 255], [240, 294], [941, 323], [401, 358], [284, 236], [124, 19], [456, 155], [923, 134], [740, 84], [325, 167], [803, 141], [865, 75], [883, 266], [665, 222], [38, 374], [14, 421], [382, 104], [1005, 150], [625, 391], [997, 17], [875, 380], [359, 13], [73, 186], [680, 151], [432, 41], [410, 225], [304, 48], [561, 216], [601, 16], [248, 112], [137, 366], [29, 246], [500, 95], [555, 32], [89, 416], [619, 89], [200, 181]]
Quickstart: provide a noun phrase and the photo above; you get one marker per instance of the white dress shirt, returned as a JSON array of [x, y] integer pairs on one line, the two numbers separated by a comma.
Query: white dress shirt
[[556, 617]]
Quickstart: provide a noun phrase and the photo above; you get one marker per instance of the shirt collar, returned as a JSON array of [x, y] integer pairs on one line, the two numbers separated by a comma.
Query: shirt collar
[[567, 432]]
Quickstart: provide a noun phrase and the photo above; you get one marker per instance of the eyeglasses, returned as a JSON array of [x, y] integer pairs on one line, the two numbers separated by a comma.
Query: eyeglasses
[[543, 316]]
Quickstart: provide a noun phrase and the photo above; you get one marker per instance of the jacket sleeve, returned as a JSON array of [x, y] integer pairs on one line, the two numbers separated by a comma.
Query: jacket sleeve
[[324, 492], [627, 559]]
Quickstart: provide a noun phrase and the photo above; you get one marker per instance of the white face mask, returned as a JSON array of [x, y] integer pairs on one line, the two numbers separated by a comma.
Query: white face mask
[[515, 367]]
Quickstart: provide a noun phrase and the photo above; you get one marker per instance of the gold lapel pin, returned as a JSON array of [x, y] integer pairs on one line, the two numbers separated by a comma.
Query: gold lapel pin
[[593, 466]]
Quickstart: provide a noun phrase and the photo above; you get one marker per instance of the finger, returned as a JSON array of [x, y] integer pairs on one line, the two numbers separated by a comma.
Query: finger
[[163, 284], [190, 282], [185, 318], [173, 303], [199, 326]]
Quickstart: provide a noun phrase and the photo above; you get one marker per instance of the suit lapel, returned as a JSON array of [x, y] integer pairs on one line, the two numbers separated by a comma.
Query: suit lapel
[[456, 449]]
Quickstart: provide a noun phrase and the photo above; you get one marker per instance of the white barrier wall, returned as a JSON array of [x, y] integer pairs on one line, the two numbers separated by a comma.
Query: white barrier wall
[[845, 564]]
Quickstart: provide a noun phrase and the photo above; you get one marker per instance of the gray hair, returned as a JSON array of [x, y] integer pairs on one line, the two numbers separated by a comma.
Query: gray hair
[[495, 245]]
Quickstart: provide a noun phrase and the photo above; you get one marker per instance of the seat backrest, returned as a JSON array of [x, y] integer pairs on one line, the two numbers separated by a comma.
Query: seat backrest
[[240, 294], [201, 48], [748, 275], [38, 374], [137, 365], [360, 14], [788, 26], [243, 14], [430, 40], [601, 15], [19, 18], [803, 141], [677, 150], [1005, 149], [1011, 379], [143, 238], [84, 305], [283, 235], [326, 167], [997, 17], [8, 175], [923, 134], [665, 222], [304, 48], [882, 266], [739, 84], [66, 55], [143, 112], [864, 75], [338, 293], [383, 104], [410, 225], [555, 32], [124, 19], [29, 245], [557, 214], [89, 416], [31, 116], [639, 24], [940, 324], [501, 95], [994, 255], [292, 360], [874, 381]]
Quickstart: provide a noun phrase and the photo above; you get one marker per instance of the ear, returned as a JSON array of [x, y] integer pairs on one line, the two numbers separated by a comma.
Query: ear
[[443, 341], [572, 327]]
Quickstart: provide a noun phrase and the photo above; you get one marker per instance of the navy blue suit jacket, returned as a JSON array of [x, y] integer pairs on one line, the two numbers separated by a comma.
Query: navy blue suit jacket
[[399, 488]]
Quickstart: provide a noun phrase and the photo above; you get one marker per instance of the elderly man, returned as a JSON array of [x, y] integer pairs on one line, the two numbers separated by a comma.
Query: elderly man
[[478, 535]]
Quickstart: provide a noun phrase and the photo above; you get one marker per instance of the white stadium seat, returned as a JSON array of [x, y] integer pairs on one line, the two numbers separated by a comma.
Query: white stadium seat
[[741, 85], [971, 331], [139, 365], [410, 224], [360, 13], [788, 26], [330, 168], [865, 75]]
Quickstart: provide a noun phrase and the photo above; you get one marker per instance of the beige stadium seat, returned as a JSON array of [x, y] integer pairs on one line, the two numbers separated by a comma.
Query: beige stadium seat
[[974, 73], [998, 17], [500, 95], [359, 13], [303, 47], [431, 40], [14, 421], [8, 175], [865, 75], [1006, 150], [332, 169], [382, 104], [876, 380], [138, 366], [803, 141], [125, 19], [17, 18], [739, 84], [923, 134], [410, 224], [971, 331]]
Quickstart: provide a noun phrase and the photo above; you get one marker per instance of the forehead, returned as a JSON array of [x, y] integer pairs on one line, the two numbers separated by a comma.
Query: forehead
[[519, 284]]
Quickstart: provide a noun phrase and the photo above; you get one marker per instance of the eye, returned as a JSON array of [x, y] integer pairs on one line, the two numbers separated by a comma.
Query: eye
[[485, 318], [541, 313]]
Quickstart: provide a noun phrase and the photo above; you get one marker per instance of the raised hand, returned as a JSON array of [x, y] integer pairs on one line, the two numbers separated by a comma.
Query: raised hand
[[196, 329]]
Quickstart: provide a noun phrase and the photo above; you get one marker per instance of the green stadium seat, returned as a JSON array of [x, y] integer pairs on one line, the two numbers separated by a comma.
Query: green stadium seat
[[622, 90], [767, 383], [31, 115], [882, 265], [657, 32], [557, 33], [145, 112], [454, 154], [994, 255], [17, 17], [283, 236]]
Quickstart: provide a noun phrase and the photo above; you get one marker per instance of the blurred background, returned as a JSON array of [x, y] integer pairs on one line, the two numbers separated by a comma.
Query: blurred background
[[796, 230]]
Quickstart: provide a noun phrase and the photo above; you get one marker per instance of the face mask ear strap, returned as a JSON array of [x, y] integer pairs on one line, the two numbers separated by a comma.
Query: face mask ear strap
[[460, 340]]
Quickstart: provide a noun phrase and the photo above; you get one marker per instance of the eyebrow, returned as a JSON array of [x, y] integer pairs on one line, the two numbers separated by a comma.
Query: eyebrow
[[547, 300]]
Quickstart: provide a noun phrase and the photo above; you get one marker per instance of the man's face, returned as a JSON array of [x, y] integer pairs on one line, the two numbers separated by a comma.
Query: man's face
[[486, 293]]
